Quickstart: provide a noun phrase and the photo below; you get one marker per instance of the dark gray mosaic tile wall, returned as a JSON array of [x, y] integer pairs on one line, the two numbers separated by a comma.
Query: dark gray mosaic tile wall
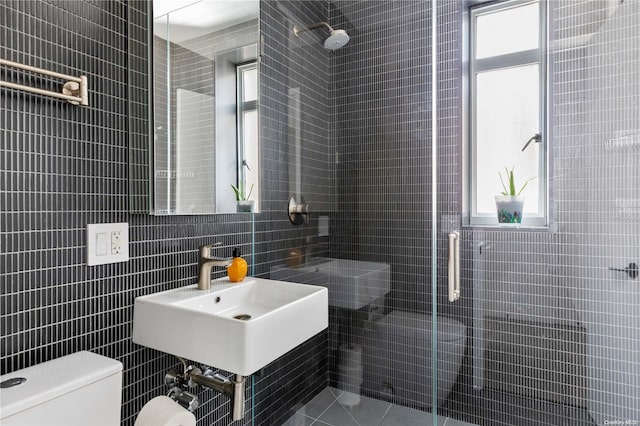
[[292, 65], [381, 136], [381, 132], [64, 167]]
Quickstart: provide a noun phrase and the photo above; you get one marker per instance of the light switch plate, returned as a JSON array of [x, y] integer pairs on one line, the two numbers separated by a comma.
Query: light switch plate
[[101, 244], [107, 243]]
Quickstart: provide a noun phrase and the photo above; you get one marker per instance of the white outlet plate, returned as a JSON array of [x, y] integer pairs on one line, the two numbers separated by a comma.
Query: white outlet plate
[[115, 239], [116, 242]]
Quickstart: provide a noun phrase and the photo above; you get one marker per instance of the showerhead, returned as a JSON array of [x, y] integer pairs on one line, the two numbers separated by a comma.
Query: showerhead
[[336, 39]]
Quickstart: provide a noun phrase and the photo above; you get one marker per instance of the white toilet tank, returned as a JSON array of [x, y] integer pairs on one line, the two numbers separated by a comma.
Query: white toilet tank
[[82, 389]]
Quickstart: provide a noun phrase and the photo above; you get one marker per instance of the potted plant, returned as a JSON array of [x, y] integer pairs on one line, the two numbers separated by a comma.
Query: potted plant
[[244, 204], [510, 203]]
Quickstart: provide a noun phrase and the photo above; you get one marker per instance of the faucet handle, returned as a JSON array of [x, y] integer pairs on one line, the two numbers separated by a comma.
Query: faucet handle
[[205, 250]]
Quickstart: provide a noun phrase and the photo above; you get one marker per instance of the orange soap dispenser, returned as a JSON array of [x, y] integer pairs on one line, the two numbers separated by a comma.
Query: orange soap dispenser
[[238, 268]]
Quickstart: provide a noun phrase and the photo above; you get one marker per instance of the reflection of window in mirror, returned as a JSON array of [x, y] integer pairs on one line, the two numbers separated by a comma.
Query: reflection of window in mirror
[[247, 128]]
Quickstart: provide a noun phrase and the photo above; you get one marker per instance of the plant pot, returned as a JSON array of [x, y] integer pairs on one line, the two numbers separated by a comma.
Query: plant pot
[[245, 206], [509, 210]]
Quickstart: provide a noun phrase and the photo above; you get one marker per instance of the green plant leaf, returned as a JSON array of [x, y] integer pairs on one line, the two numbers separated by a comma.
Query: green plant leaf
[[525, 184], [511, 190], [505, 192], [512, 183], [238, 192]]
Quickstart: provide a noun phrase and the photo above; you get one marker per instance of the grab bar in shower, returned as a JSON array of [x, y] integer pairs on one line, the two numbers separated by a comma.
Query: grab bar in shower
[[454, 266], [75, 89]]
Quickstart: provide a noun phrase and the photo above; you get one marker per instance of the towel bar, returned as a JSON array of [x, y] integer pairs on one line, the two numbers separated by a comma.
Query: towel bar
[[74, 90]]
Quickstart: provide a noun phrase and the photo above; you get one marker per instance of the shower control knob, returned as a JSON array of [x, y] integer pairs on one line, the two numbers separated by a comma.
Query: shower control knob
[[298, 210], [632, 270]]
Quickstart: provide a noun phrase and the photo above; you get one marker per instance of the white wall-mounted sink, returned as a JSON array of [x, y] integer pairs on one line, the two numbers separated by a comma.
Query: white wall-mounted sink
[[352, 284], [211, 327]]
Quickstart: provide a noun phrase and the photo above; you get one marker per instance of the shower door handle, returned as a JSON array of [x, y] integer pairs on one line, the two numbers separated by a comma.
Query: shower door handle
[[454, 266]]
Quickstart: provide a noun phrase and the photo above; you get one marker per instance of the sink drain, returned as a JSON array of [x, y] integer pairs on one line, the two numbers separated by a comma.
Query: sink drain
[[243, 317]]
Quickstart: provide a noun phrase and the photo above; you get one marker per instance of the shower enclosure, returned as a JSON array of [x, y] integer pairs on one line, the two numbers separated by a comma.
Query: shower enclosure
[[546, 330], [551, 311]]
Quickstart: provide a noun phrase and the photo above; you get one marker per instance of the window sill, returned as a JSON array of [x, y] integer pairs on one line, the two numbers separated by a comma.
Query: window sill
[[527, 228]]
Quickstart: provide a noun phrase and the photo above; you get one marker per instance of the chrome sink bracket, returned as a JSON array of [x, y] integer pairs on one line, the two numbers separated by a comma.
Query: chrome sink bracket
[[298, 210], [238, 397]]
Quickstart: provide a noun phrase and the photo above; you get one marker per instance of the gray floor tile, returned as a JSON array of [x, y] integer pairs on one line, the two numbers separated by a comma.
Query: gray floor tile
[[299, 420], [336, 415], [318, 404], [452, 422], [408, 417], [369, 411], [327, 411], [336, 392]]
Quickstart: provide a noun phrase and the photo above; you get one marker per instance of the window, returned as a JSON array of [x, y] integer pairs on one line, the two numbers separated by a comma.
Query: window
[[247, 116], [507, 99]]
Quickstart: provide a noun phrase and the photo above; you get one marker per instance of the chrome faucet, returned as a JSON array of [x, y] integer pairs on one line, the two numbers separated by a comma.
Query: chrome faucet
[[206, 263]]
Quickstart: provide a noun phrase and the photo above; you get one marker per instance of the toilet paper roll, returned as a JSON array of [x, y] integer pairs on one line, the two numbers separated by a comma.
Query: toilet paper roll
[[350, 355], [350, 380], [349, 376], [164, 411]]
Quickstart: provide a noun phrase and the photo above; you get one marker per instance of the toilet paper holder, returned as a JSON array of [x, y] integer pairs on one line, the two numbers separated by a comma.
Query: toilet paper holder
[[184, 398], [181, 384]]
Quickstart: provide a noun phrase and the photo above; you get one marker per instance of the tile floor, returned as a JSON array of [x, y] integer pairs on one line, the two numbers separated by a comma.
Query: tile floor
[[325, 410]]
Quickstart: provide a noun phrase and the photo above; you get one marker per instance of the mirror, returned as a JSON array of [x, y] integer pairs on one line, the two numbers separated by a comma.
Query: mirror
[[205, 107]]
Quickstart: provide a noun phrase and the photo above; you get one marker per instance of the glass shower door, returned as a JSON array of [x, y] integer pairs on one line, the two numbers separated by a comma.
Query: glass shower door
[[353, 128], [550, 313]]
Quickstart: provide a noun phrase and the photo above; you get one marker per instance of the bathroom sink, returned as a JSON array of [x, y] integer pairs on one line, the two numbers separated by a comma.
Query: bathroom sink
[[352, 284], [239, 328]]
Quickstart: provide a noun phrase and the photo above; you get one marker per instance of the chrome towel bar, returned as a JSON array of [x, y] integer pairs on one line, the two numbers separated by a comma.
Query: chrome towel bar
[[74, 90]]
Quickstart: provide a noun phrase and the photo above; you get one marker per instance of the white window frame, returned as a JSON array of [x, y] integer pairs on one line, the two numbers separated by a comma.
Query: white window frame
[[242, 107], [474, 66]]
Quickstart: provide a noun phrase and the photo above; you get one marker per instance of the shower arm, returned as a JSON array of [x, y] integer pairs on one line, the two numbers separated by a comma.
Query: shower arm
[[297, 29]]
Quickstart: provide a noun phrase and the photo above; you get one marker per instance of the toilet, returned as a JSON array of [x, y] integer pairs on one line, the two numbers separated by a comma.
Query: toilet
[[398, 358], [76, 390]]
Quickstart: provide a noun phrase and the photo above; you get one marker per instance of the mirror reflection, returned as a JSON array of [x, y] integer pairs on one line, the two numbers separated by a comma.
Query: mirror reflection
[[205, 108]]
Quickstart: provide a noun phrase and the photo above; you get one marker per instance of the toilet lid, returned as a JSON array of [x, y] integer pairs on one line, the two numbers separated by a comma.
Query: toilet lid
[[52, 379], [412, 324]]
